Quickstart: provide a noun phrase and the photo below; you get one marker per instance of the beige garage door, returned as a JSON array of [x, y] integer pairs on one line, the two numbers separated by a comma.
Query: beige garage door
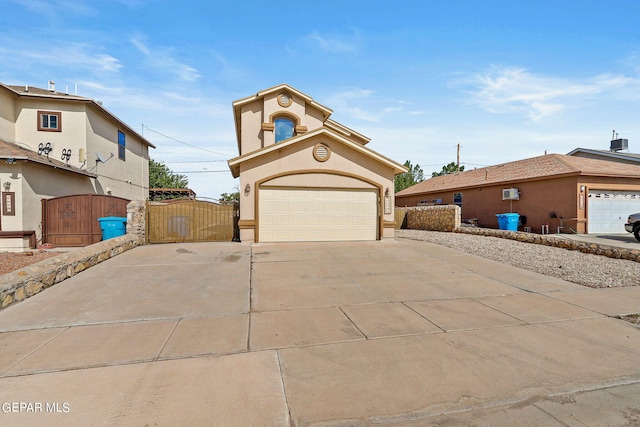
[[311, 215]]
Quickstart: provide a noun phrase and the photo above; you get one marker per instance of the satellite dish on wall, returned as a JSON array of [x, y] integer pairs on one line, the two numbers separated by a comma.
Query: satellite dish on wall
[[101, 159]]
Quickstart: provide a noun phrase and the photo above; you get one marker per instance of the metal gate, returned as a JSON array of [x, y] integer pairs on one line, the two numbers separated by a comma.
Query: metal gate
[[173, 221], [73, 220]]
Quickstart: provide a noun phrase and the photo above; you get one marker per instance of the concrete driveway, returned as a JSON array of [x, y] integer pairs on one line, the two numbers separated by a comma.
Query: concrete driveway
[[378, 333]]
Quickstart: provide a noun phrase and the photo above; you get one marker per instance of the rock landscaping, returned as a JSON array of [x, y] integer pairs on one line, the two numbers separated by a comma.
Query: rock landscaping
[[543, 254]]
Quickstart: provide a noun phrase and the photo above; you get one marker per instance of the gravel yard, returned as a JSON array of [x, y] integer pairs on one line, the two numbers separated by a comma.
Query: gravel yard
[[586, 269], [11, 261]]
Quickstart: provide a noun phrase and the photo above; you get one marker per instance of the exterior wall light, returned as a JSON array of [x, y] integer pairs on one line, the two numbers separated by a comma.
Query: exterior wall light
[[582, 188], [387, 201], [247, 189], [7, 186]]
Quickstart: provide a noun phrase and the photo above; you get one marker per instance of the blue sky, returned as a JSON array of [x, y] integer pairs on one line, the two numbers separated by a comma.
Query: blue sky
[[504, 79]]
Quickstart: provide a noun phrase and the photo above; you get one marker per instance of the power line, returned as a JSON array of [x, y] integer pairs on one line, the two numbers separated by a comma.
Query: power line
[[474, 164], [198, 161], [182, 142], [228, 171]]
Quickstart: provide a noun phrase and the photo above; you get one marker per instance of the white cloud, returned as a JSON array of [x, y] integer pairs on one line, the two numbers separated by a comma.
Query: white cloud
[[68, 56], [364, 104], [162, 59], [333, 44], [54, 8], [514, 89], [107, 63], [140, 46]]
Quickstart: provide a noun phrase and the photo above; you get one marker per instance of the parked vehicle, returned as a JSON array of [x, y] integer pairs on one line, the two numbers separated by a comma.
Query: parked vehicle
[[633, 225]]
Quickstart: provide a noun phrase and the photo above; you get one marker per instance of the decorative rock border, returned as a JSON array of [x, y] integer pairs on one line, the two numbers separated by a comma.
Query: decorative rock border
[[556, 241], [21, 284]]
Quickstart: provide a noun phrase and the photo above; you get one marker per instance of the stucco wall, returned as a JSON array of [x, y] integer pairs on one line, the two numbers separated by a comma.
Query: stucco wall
[[318, 180], [127, 178], [251, 127], [254, 114], [7, 115], [32, 183], [291, 165], [72, 124], [83, 126]]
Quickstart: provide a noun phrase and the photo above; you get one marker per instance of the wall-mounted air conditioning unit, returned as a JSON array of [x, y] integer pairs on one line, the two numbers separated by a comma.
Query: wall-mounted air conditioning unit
[[510, 194]]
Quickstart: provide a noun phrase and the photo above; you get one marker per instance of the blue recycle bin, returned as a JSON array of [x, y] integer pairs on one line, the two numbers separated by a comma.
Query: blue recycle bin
[[112, 226], [508, 221]]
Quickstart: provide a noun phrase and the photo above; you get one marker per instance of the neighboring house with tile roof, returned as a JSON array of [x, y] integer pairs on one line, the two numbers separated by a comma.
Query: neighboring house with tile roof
[[582, 194], [55, 144], [305, 177]]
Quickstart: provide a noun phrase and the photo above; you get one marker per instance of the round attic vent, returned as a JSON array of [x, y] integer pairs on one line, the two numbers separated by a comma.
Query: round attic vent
[[284, 99], [321, 152]]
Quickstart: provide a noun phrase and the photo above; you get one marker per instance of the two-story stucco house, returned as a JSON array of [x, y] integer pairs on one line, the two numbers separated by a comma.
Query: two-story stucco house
[[56, 144], [305, 177]]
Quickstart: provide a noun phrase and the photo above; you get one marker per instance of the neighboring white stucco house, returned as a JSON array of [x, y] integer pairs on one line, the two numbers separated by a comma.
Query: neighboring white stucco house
[[55, 144]]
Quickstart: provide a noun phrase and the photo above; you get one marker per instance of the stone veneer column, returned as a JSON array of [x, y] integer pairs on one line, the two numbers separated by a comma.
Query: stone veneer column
[[137, 219]]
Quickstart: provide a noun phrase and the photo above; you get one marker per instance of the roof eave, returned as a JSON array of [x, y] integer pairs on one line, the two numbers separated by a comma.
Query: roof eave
[[55, 166], [612, 154], [234, 164], [82, 99], [480, 185]]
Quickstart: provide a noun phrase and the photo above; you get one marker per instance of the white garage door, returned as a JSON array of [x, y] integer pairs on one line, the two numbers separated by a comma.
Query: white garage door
[[311, 215], [608, 210]]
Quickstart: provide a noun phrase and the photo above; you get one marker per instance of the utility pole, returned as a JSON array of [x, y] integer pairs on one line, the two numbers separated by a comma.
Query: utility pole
[[458, 159]]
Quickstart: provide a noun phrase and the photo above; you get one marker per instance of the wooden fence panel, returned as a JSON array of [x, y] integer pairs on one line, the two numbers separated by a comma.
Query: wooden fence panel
[[73, 220], [400, 215], [174, 221]]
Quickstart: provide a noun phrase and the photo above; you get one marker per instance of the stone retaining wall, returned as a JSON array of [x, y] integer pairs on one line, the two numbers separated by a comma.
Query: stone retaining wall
[[21, 284], [556, 241], [35, 278], [433, 218]]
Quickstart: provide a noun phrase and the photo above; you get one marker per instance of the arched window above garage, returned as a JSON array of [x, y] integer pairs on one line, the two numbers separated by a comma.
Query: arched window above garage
[[284, 128]]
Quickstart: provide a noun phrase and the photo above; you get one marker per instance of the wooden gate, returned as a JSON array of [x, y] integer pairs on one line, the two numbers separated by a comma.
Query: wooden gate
[[172, 221], [73, 220]]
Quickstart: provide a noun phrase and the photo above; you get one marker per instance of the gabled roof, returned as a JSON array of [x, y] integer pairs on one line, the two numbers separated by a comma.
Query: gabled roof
[[11, 152], [35, 92], [607, 153], [240, 102], [332, 124], [237, 105], [535, 168], [234, 164]]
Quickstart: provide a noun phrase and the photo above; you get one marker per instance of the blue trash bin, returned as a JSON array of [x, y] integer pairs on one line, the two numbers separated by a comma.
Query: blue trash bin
[[113, 226], [508, 221]]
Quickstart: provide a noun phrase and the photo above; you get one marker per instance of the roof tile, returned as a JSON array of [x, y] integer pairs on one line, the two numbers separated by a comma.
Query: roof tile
[[10, 150], [533, 168]]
